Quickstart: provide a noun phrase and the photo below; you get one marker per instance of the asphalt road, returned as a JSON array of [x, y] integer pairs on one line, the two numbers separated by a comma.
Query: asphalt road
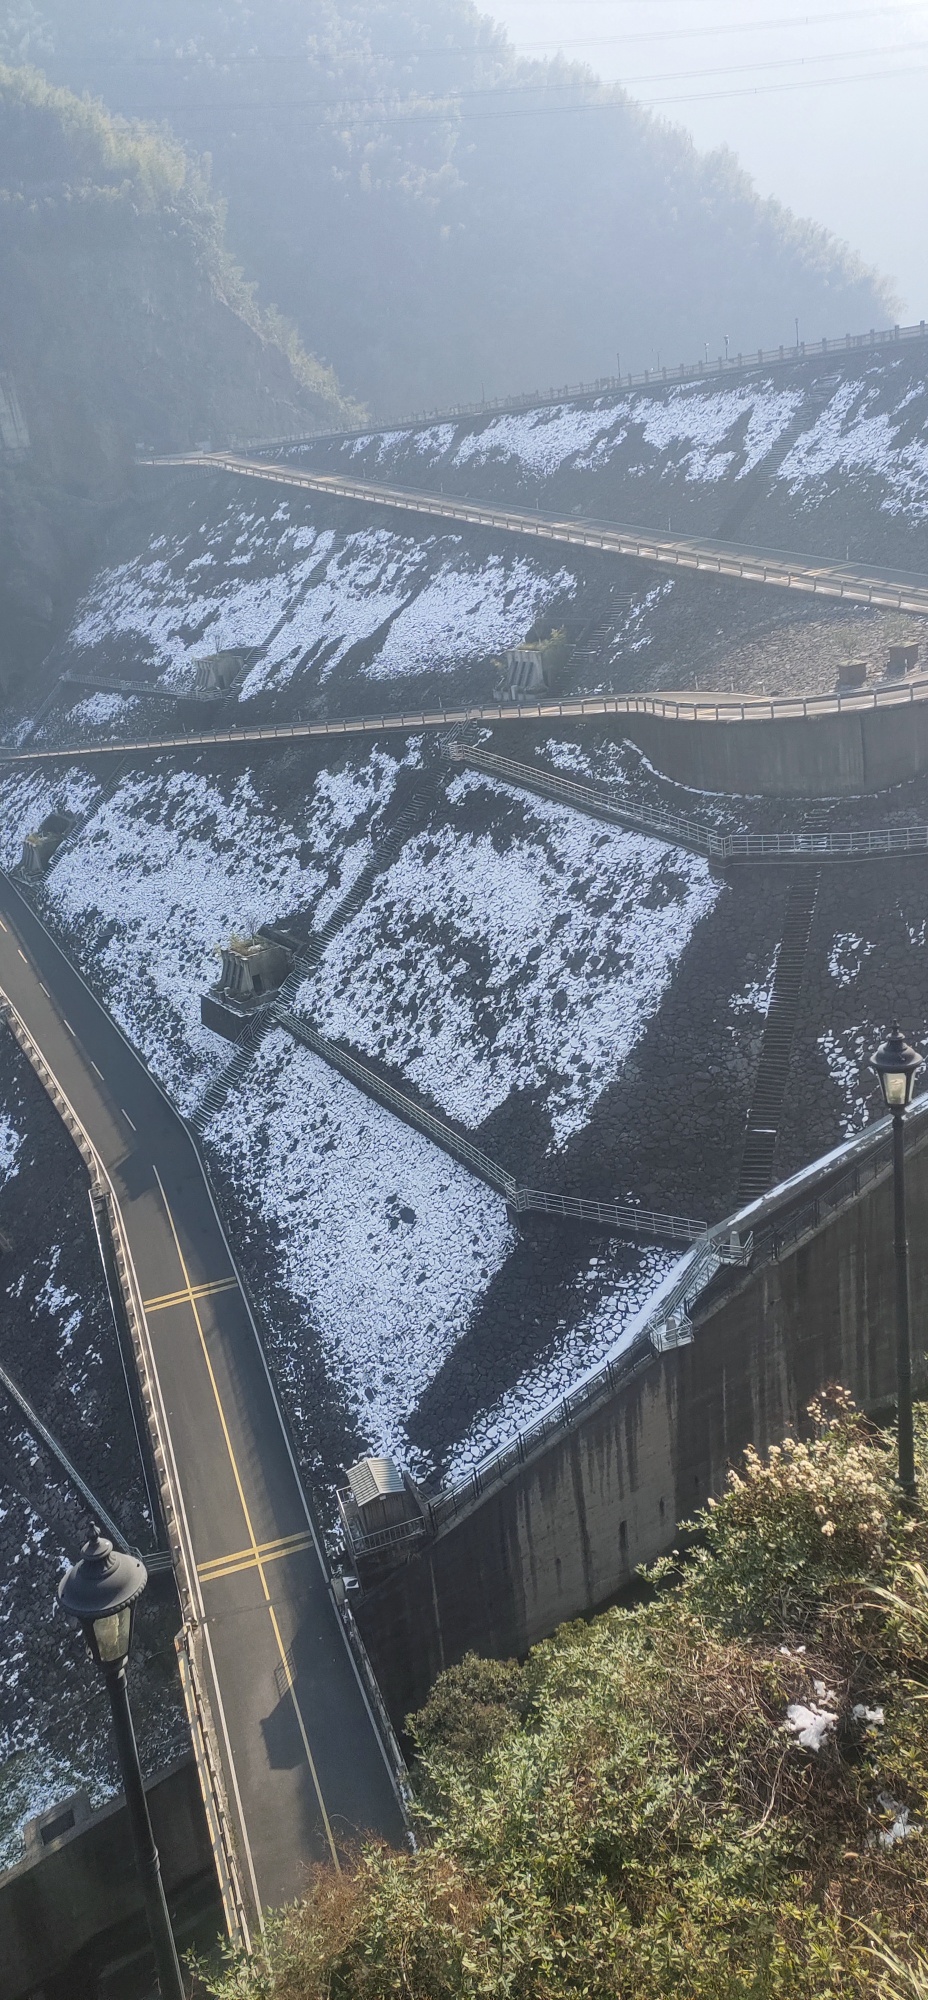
[[304, 1766], [894, 590]]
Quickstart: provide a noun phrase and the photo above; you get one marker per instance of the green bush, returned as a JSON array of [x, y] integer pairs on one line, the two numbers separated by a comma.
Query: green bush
[[634, 1814]]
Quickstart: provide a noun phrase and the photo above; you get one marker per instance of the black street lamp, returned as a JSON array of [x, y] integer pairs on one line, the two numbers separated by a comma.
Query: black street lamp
[[897, 1065], [100, 1593]]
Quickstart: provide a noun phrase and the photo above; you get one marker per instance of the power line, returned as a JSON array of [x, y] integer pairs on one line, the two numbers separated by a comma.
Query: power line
[[475, 49], [441, 105]]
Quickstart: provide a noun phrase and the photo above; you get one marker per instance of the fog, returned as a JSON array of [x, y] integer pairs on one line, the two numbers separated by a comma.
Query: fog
[[824, 105]]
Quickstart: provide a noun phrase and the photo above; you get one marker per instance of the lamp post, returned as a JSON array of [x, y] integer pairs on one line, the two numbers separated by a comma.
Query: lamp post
[[897, 1065], [100, 1594]]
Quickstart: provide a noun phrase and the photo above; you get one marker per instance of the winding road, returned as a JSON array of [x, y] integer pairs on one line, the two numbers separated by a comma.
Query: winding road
[[852, 583], [304, 1766]]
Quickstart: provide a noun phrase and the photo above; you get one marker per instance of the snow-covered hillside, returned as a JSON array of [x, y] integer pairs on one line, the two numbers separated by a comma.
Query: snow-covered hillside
[[304, 598], [799, 442], [526, 957]]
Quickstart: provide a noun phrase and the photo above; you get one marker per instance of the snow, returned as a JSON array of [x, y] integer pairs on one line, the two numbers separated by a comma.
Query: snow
[[10, 1146], [811, 1725], [484, 964], [463, 613], [172, 863], [689, 426], [846, 957], [309, 597], [101, 708], [27, 797], [604, 1330], [167, 868], [387, 1245], [846, 1052], [851, 437]]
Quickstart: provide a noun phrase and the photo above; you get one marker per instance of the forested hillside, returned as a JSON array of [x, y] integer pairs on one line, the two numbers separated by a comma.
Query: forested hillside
[[122, 320], [439, 217]]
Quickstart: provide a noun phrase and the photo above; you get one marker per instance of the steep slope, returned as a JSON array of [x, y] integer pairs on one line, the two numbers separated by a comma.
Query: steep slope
[[122, 319], [440, 217]]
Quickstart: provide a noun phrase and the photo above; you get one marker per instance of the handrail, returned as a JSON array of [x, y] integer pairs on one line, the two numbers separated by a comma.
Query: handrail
[[841, 845], [622, 1217], [848, 581], [649, 378], [701, 708]]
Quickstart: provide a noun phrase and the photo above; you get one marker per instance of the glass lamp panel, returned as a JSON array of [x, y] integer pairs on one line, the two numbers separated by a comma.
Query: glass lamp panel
[[895, 1087], [112, 1635]]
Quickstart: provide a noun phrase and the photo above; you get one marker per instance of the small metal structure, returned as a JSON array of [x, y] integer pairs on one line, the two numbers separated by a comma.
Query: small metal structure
[[217, 672], [853, 674], [532, 667], [40, 847], [252, 969], [382, 1515], [902, 660]]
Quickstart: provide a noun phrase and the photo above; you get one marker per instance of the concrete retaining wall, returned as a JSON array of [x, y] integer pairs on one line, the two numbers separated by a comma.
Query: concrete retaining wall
[[829, 755], [568, 1530], [64, 1903]]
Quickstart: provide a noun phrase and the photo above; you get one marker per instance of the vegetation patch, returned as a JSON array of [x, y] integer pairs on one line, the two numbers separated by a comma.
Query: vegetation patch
[[720, 1792]]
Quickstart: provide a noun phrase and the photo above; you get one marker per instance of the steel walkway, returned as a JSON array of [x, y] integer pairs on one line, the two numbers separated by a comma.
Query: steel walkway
[[849, 582], [705, 709]]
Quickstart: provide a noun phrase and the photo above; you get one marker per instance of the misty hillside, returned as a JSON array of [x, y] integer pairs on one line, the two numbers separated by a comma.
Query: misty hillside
[[440, 218], [122, 320]]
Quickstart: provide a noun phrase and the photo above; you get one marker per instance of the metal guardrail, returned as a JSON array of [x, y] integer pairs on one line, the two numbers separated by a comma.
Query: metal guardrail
[[866, 842], [699, 708], [396, 1100], [648, 378], [624, 1218], [757, 1234], [849, 582], [378, 1540]]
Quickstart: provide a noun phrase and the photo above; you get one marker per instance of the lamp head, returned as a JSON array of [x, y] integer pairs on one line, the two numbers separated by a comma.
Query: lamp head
[[897, 1065], [100, 1593]]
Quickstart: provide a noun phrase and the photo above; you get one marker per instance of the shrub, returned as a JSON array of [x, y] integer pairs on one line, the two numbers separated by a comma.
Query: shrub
[[635, 1813]]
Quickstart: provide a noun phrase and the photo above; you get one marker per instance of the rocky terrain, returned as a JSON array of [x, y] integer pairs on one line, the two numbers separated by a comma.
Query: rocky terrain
[[60, 1348]]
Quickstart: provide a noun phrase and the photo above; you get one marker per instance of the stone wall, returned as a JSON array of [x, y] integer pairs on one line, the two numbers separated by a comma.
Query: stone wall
[[568, 1530]]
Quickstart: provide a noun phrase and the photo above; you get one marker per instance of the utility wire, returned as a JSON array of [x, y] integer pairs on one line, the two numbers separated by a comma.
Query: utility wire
[[616, 97], [552, 42]]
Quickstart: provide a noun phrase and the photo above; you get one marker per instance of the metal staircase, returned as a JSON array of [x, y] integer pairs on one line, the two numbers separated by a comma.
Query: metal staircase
[[773, 1069]]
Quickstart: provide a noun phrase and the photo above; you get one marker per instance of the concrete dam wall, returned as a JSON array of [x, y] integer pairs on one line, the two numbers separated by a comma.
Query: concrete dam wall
[[837, 752], [566, 1531]]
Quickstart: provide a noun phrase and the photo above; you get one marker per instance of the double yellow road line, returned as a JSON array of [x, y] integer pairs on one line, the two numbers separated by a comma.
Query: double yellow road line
[[254, 1558], [188, 1293]]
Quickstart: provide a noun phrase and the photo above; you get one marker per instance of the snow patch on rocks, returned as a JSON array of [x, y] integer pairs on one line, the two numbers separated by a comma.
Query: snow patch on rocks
[[482, 965], [386, 1244]]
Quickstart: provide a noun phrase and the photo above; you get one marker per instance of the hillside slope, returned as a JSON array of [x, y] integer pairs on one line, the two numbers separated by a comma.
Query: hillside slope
[[122, 319], [440, 217]]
